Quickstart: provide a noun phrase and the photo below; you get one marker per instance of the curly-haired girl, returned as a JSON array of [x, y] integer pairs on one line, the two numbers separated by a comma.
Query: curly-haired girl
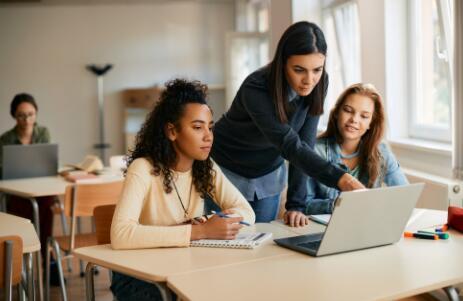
[[169, 175]]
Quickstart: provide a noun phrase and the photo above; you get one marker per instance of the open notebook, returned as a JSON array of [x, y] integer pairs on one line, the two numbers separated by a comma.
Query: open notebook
[[242, 241], [323, 219]]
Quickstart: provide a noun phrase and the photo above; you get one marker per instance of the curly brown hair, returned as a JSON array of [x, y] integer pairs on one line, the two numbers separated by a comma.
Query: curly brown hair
[[370, 159], [152, 143]]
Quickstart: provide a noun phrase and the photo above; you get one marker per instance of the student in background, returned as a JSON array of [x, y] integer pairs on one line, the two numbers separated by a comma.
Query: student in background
[[169, 174], [274, 118], [24, 110], [352, 141]]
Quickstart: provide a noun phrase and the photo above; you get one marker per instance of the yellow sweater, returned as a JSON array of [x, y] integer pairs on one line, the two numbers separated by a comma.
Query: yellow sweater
[[147, 217]]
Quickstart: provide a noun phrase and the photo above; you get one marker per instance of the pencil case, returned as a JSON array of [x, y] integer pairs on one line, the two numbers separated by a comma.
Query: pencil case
[[455, 218]]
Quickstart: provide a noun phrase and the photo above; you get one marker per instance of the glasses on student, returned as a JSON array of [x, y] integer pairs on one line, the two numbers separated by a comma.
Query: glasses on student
[[25, 116]]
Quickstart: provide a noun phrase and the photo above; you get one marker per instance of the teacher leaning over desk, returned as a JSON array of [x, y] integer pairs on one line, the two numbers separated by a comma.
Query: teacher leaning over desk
[[273, 118]]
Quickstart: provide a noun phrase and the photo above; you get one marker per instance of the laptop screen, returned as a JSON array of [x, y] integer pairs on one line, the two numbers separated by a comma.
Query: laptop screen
[[28, 161]]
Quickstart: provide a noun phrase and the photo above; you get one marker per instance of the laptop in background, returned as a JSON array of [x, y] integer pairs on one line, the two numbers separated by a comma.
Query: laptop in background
[[361, 219], [28, 161]]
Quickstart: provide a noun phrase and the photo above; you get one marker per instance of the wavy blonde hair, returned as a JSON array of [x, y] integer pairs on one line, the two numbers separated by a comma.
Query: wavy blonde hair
[[370, 159]]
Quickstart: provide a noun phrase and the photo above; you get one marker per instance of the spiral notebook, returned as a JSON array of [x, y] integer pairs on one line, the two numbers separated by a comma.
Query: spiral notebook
[[242, 241]]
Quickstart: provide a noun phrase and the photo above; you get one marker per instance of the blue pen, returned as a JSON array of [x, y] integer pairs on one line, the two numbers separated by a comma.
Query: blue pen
[[226, 216]]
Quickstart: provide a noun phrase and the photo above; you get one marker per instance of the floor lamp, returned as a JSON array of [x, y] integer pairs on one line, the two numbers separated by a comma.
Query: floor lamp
[[100, 71]]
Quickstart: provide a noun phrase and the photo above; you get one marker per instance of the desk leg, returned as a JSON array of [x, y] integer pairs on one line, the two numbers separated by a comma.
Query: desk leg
[[89, 288], [30, 277], [452, 293], [39, 273], [35, 215], [2, 202], [65, 228]]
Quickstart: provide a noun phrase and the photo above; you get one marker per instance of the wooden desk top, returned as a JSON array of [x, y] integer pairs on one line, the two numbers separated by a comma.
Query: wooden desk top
[[15, 225], [410, 267], [158, 264], [34, 187]]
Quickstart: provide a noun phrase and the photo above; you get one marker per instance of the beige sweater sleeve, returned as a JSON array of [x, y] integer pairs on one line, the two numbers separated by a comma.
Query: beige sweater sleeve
[[126, 231], [227, 196]]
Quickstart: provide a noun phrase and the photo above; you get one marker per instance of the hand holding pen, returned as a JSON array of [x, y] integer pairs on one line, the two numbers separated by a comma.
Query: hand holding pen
[[217, 227], [225, 213]]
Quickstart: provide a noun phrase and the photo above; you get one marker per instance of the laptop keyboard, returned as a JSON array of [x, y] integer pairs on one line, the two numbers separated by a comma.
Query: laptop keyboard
[[311, 241], [313, 245]]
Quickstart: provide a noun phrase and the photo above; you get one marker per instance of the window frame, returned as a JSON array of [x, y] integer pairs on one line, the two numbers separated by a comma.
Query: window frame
[[416, 130], [329, 11]]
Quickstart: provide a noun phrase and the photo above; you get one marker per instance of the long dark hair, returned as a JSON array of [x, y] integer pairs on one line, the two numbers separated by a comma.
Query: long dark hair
[[300, 38], [152, 143], [370, 157]]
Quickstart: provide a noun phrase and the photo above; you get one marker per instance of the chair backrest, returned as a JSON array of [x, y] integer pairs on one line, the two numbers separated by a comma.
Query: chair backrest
[[83, 198], [15, 261], [103, 218]]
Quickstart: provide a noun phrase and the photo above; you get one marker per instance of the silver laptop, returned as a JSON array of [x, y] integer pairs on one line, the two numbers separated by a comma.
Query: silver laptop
[[28, 161], [361, 219]]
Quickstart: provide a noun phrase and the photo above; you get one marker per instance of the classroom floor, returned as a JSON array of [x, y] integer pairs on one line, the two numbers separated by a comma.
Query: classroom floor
[[76, 286]]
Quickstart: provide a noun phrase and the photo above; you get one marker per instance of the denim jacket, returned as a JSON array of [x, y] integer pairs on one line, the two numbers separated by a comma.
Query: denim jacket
[[320, 198]]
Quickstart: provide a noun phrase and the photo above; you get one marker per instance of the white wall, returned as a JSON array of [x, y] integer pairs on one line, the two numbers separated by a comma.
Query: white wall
[[44, 50], [371, 15]]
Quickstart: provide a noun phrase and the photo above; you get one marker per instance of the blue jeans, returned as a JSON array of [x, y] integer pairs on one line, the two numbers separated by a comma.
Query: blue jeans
[[266, 209], [126, 288]]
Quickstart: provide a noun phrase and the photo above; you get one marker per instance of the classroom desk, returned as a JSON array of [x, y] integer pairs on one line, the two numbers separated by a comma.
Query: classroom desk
[[6, 219], [156, 265], [14, 225], [32, 188], [407, 268]]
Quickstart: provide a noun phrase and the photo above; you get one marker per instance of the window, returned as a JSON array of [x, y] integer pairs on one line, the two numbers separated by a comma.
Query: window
[[339, 21], [245, 53], [342, 34], [247, 48], [430, 69]]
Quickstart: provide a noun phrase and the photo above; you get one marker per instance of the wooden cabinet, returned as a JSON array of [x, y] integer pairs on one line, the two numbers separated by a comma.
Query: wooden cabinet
[[139, 102], [141, 98]]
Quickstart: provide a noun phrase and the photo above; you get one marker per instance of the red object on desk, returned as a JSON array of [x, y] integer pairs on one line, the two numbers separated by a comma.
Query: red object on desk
[[455, 218]]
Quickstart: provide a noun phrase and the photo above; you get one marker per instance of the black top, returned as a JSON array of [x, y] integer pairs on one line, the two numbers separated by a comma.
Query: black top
[[249, 140]]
